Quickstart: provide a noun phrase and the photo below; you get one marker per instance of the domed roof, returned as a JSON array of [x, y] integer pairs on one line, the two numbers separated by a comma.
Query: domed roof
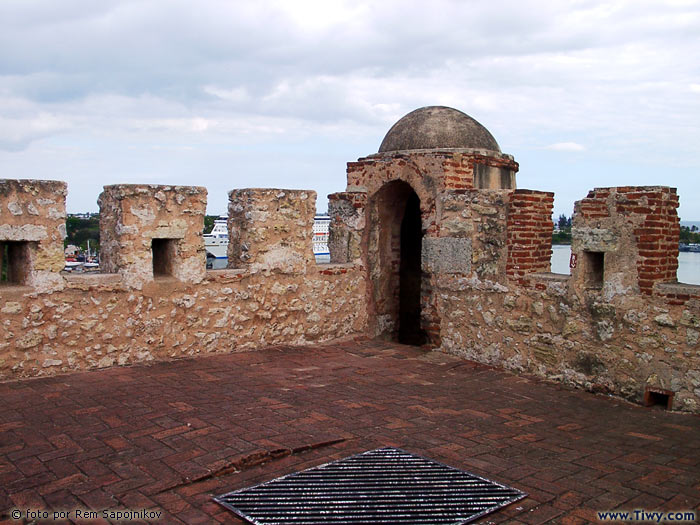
[[437, 127]]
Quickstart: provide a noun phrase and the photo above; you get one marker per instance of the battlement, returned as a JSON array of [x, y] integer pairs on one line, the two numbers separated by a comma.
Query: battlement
[[434, 247]]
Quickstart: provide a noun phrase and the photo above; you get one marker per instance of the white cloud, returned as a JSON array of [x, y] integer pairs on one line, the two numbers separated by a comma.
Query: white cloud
[[566, 146], [296, 79], [17, 133]]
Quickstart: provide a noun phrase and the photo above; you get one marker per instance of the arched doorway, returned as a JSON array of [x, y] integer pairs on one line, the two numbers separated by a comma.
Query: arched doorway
[[394, 263]]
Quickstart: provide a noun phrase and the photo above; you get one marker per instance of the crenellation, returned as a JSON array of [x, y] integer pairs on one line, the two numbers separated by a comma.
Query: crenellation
[[270, 230], [149, 231], [32, 229], [636, 224]]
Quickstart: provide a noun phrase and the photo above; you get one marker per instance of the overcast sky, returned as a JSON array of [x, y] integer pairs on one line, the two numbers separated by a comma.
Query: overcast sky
[[229, 94]]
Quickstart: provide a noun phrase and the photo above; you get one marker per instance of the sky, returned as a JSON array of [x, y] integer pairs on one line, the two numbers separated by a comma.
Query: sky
[[234, 94]]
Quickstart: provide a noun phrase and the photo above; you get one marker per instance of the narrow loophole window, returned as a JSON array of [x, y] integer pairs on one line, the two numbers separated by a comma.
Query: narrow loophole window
[[594, 269], [164, 256], [15, 262]]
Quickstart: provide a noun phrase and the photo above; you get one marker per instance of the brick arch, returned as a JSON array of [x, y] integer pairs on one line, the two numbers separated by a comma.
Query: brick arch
[[406, 170]]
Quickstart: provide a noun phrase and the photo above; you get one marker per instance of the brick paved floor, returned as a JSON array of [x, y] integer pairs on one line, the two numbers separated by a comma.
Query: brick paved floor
[[169, 436]]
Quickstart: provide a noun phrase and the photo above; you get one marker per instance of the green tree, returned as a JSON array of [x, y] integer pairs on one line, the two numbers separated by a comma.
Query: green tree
[[564, 222], [689, 236], [209, 222], [79, 231]]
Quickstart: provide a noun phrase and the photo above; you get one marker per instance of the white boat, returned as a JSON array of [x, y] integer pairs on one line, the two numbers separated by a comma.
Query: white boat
[[216, 241]]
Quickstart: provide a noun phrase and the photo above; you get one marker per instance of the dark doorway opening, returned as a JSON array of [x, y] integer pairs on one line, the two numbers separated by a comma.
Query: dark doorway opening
[[410, 275]]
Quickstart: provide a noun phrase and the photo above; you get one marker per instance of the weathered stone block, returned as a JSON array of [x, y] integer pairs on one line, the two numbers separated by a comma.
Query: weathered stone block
[[595, 239], [346, 210], [270, 230], [446, 255]]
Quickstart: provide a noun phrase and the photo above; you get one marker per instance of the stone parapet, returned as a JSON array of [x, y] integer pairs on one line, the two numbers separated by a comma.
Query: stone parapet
[[149, 231], [679, 293], [32, 229], [97, 321], [270, 230]]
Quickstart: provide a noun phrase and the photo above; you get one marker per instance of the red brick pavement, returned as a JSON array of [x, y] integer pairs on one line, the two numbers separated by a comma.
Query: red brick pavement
[[167, 437]]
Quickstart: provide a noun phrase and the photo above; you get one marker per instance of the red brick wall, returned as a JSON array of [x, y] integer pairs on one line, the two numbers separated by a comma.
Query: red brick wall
[[594, 206], [529, 238], [657, 236], [679, 296], [459, 173]]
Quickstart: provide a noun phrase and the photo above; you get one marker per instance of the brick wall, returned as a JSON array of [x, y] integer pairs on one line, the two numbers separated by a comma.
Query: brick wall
[[594, 205], [445, 170], [459, 172], [658, 234], [529, 237]]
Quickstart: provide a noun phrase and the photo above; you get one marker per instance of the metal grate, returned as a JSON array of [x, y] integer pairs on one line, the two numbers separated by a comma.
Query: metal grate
[[386, 485]]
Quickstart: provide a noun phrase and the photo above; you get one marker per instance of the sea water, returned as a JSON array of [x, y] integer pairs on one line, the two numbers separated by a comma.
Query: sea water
[[688, 263]]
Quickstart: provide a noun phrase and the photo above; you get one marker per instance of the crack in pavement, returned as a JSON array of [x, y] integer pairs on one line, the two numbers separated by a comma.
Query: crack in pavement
[[251, 460]]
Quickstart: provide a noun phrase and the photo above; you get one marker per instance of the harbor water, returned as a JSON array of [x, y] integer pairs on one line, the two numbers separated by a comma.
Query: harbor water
[[688, 263]]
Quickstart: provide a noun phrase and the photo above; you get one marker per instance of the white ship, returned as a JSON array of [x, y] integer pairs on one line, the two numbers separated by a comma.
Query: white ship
[[216, 241], [320, 238]]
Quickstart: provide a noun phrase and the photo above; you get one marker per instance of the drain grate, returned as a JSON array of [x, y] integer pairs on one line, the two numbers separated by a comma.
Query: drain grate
[[387, 485]]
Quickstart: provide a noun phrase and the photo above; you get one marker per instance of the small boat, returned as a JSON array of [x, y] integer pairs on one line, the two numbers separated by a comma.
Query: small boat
[[72, 264]]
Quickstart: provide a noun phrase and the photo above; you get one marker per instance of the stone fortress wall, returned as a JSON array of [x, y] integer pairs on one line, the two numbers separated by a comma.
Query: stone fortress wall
[[156, 300], [476, 282]]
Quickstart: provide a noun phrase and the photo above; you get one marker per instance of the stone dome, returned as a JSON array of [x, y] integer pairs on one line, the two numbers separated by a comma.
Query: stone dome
[[438, 127]]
